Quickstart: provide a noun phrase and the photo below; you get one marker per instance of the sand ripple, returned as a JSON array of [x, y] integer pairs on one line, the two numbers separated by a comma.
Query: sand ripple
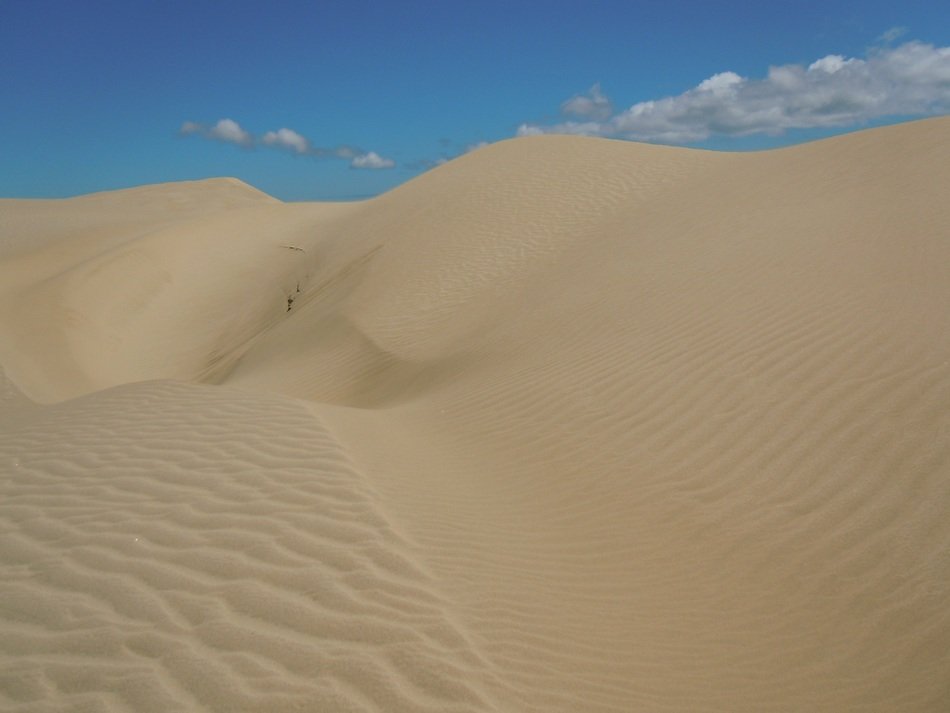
[[563, 425], [172, 547]]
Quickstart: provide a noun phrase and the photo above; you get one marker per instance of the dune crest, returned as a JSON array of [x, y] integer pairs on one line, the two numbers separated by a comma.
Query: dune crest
[[565, 424]]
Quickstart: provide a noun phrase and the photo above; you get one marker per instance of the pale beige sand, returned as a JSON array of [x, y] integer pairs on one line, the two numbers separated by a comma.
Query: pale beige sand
[[566, 424]]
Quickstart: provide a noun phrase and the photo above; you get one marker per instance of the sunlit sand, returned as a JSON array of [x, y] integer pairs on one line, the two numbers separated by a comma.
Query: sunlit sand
[[566, 424]]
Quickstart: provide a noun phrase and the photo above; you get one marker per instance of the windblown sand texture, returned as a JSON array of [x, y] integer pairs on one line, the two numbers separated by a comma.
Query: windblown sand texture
[[566, 424]]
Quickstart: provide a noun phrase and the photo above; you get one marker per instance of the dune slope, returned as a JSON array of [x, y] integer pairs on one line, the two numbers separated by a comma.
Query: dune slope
[[565, 424]]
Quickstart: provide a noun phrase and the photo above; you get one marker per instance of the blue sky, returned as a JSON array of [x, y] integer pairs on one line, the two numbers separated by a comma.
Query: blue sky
[[98, 95]]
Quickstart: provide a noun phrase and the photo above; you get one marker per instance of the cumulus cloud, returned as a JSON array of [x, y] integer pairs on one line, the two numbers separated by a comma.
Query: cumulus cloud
[[912, 79], [371, 160], [830, 64], [225, 130], [593, 105], [287, 140], [230, 130]]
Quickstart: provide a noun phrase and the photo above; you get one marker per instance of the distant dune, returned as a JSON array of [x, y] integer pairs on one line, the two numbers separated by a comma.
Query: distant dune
[[566, 424]]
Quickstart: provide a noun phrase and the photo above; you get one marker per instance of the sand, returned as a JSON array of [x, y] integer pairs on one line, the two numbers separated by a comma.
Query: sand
[[566, 424]]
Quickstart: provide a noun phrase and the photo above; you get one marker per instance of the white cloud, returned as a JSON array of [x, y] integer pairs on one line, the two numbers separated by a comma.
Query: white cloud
[[371, 160], [911, 79], [724, 83], [593, 105], [830, 64], [225, 130], [530, 130], [287, 139], [230, 130]]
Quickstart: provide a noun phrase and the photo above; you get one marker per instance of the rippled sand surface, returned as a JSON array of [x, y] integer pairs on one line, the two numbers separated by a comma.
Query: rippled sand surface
[[566, 424]]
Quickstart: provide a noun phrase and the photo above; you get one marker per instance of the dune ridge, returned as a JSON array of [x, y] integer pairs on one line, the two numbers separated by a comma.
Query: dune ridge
[[565, 424]]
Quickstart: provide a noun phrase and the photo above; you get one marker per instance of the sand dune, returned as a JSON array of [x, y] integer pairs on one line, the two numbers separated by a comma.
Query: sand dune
[[566, 424]]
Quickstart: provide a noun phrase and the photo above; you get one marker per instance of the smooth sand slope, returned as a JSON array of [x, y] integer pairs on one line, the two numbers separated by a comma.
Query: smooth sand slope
[[566, 424]]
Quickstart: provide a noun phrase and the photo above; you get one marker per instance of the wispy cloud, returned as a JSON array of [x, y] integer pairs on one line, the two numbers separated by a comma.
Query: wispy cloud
[[892, 34], [912, 79], [286, 140]]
